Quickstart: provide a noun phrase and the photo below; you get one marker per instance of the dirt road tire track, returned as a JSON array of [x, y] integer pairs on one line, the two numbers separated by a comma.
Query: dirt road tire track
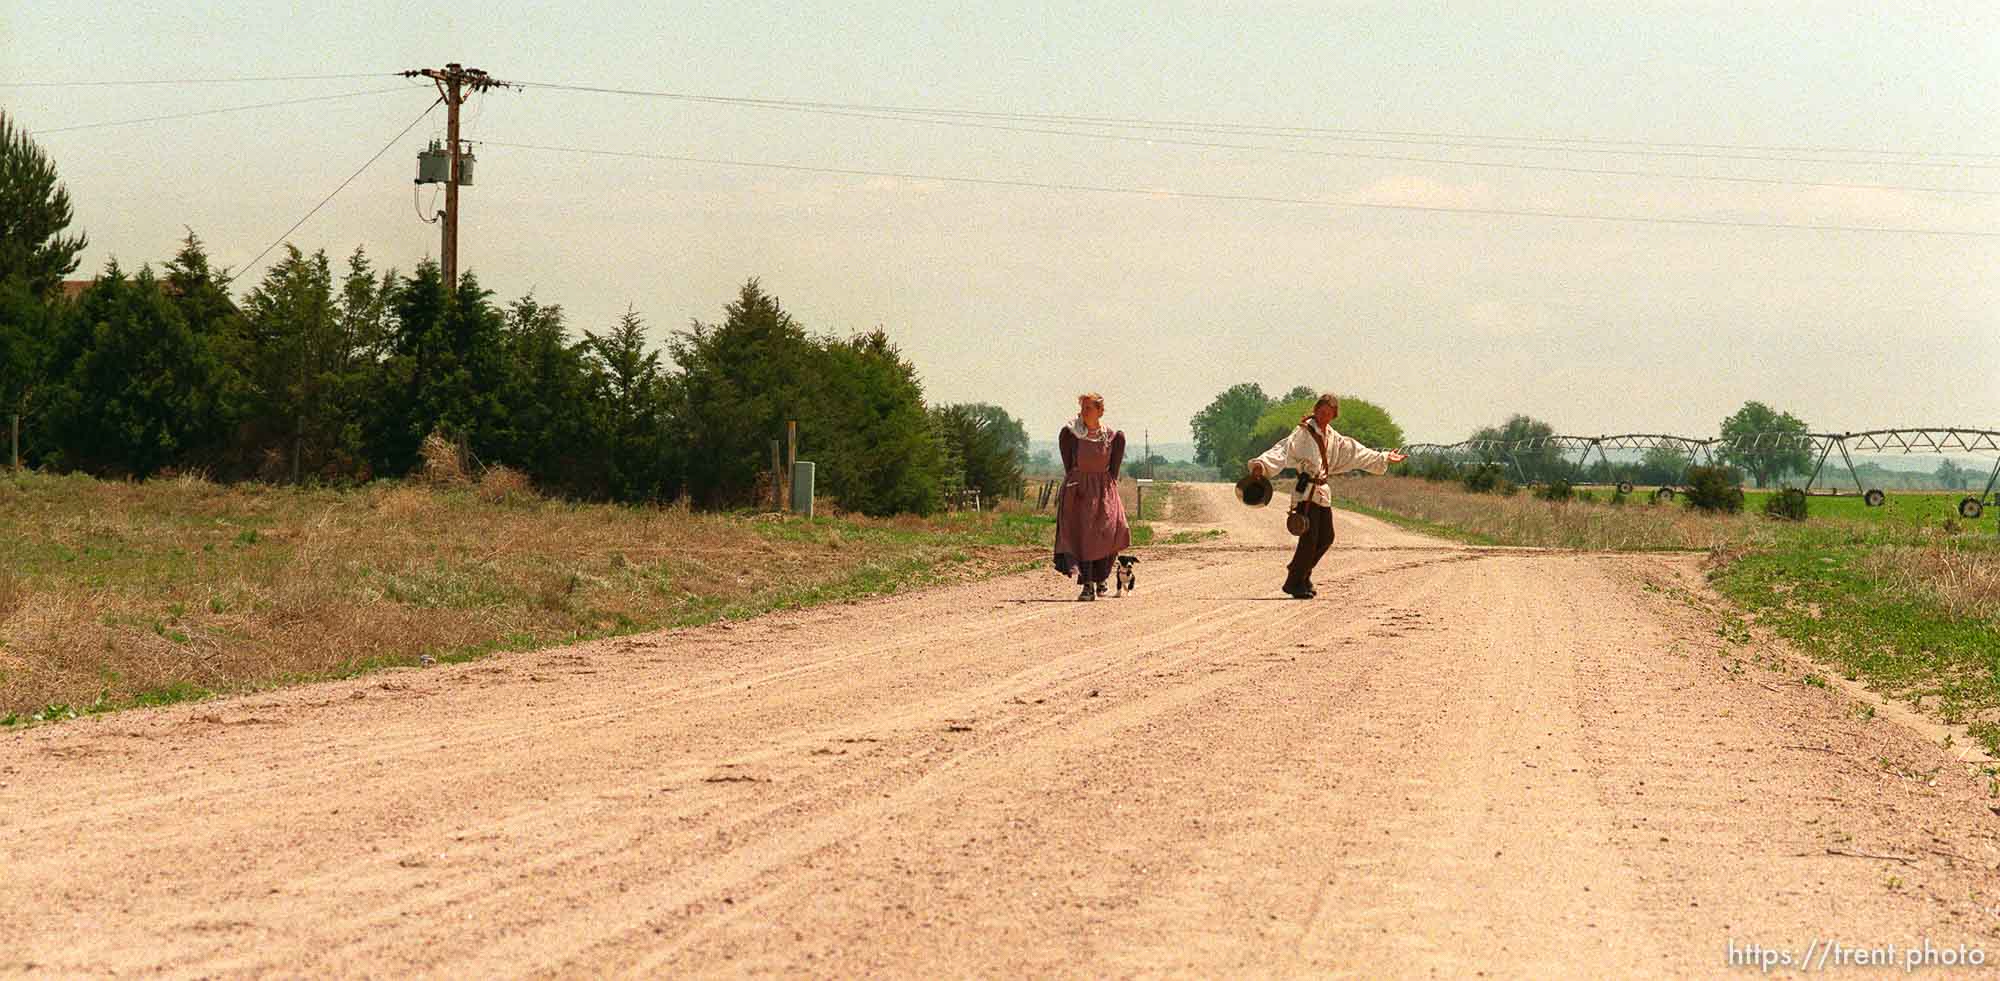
[[1455, 760]]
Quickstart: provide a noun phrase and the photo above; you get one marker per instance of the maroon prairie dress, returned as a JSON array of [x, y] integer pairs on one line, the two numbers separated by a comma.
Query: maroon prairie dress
[[1090, 522]]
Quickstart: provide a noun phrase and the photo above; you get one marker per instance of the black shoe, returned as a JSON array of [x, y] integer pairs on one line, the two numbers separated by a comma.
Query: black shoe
[[1089, 593]]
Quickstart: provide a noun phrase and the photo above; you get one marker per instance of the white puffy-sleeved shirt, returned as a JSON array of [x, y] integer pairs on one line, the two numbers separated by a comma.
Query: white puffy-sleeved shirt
[[1299, 452]]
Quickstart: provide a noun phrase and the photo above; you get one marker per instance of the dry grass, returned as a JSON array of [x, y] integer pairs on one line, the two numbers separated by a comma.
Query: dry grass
[[443, 463], [1953, 575], [112, 593], [503, 485], [1186, 506], [1526, 520]]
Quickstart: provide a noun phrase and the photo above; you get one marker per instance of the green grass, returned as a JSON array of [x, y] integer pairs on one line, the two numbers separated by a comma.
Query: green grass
[[1818, 589], [1192, 537], [1909, 509]]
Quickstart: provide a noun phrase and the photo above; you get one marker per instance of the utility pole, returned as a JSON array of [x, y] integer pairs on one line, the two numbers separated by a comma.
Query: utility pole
[[455, 84]]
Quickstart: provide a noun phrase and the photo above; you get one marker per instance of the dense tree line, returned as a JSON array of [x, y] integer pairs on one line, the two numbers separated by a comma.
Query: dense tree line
[[340, 378], [1782, 451], [321, 376]]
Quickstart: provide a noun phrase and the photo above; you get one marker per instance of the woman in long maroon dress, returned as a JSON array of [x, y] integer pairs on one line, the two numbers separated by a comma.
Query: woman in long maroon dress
[[1090, 520]]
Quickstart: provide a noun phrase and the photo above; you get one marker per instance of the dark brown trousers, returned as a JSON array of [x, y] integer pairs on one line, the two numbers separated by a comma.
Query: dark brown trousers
[[1312, 545]]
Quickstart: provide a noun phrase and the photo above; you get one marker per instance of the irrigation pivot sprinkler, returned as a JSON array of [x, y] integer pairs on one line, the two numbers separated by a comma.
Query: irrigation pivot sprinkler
[[1818, 447], [1870, 496]]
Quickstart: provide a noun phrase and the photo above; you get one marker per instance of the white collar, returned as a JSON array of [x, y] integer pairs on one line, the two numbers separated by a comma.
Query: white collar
[[1080, 431]]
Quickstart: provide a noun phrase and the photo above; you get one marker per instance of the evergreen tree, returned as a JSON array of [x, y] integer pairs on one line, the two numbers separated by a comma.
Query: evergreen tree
[[554, 428], [27, 326], [989, 455], [739, 382], [632, 393], [34, 212], [200, 293], [444, 374], [307, 370], [136, 389], [866, 428], [365, 315]]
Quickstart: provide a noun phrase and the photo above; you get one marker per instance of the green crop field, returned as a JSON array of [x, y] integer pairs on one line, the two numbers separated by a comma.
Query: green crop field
[[1908, 508]]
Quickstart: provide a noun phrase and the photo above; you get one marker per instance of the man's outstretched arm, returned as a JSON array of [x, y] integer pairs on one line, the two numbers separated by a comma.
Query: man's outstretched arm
[[1346, 454]]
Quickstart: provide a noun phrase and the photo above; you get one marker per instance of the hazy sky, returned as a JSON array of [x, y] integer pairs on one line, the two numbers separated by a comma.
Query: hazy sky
[[1025, 296]]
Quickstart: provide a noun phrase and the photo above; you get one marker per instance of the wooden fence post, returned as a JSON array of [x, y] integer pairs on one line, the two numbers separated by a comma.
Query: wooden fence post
[[777, 481], [791, 458]]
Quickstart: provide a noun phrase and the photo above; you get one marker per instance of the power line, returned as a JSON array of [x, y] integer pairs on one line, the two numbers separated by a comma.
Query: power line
[[1439, 139], [252, 264], [1400, 158], [189, 81], [217, 111], [1254, 198]]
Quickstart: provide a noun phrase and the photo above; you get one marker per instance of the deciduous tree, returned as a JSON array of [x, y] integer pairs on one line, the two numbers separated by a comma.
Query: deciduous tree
[[1765, 443], [1222, 428]]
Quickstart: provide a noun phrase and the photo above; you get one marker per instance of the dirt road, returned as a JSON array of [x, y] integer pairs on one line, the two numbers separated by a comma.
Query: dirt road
[[1453, 761]]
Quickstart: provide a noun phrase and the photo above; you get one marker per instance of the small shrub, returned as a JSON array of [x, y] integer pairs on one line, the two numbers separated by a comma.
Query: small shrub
[[1788, 504], [1484, 479], [1556, 490], [1619, 499], [1715, 489]]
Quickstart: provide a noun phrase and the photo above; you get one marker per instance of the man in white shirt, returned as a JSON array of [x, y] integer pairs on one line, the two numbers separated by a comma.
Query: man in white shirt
[[1317, 452]]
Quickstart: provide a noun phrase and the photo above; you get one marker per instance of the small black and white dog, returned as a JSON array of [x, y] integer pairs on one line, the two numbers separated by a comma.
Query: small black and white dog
[[1128, 578]]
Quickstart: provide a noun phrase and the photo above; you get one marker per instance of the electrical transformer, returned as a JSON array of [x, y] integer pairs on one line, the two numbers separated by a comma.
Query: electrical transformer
[[434, 165]]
